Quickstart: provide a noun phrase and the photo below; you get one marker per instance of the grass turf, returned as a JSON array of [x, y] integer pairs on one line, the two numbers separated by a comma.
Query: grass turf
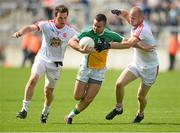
[[162, 113]]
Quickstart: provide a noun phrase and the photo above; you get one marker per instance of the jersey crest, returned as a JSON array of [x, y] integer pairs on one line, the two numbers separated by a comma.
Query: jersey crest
[[55, 42]]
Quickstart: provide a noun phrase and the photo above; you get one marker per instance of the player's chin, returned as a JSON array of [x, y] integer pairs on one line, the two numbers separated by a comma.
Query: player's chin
[[132, 23], [62, 24]]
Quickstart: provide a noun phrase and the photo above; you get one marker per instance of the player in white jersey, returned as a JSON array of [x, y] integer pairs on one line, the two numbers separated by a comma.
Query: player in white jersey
[[144, 64], [49, 60]]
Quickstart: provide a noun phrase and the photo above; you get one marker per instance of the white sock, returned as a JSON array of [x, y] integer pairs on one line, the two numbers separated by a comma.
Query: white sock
[[71, 114], [25, 105], [46, 110], [119, 106]]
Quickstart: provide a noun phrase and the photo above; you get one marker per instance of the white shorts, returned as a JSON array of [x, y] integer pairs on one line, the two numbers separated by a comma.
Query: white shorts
[[51, 71], [85, 74], [148, 75]]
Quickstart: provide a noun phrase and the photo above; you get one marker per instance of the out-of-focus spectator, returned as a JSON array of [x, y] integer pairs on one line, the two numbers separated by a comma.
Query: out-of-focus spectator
[[30, 45], [48, 8], [172, 49], [2, 55], [49, 5], [116, 23], [32, 6], [33, 48], [173, 14], [145, 8], [86, 6], [24, 46]]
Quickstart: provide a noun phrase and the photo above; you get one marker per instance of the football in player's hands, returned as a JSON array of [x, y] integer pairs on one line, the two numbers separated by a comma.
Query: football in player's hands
[[86, 41]]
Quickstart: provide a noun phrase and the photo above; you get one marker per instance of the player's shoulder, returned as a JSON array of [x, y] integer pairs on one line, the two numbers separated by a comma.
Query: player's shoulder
[[70, 26], [71, 29], [44, 24], [41, 22], [146, 26], [142, 29], [109, 31], [86, 31]]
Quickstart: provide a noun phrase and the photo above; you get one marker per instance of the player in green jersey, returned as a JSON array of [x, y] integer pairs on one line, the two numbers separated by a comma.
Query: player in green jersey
[[93, 65]]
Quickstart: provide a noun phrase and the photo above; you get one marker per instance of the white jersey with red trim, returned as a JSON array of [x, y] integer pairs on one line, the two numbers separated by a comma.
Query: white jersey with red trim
[[54, 40], [141, 58]]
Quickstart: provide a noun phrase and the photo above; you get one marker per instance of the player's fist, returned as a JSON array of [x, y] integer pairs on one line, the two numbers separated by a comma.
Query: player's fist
[[116, 12], [16, 35], [102, 46], [86, 49]]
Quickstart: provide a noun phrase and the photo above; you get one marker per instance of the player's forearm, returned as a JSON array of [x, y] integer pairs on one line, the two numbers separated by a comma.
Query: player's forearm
[[74, 44], [120, 45], [125, 15], [144, 47], [25, 30]]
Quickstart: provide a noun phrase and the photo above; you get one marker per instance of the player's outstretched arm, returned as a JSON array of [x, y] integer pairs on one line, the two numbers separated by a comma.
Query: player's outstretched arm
[[123, 13], [135, 42], [145, 47], [131, 42], [25, 30], [125, 44], [120, 45]]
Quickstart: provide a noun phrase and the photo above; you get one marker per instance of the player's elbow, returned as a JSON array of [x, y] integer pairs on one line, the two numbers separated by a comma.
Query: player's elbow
[[78, 97], [129, 45], [70, 42]]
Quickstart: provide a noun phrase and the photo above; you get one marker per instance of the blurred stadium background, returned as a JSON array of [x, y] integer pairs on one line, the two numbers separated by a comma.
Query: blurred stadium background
[[163, 15]]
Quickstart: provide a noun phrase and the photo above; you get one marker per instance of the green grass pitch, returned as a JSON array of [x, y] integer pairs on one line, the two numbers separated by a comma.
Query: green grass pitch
[[162, 113]]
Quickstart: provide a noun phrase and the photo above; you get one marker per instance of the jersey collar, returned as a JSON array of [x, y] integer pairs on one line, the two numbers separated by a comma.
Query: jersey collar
[[135, 27]]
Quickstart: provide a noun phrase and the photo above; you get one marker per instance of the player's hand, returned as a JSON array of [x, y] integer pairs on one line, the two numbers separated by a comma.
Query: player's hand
[[116, 12], [16, 34], [86, 49], [145, 47], [149, 48], [102, 46]]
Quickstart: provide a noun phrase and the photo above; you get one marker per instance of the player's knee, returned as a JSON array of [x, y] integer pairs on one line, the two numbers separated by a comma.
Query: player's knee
[[119, 85], [140, 98], [88, 100], [50, 83], [78, 97]]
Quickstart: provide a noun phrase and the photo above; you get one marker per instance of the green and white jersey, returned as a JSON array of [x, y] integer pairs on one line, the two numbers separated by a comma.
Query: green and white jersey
[[95, 59]]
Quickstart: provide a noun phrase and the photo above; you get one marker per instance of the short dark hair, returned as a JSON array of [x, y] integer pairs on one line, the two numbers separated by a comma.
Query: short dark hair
[[101, 17], [61, 9]]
